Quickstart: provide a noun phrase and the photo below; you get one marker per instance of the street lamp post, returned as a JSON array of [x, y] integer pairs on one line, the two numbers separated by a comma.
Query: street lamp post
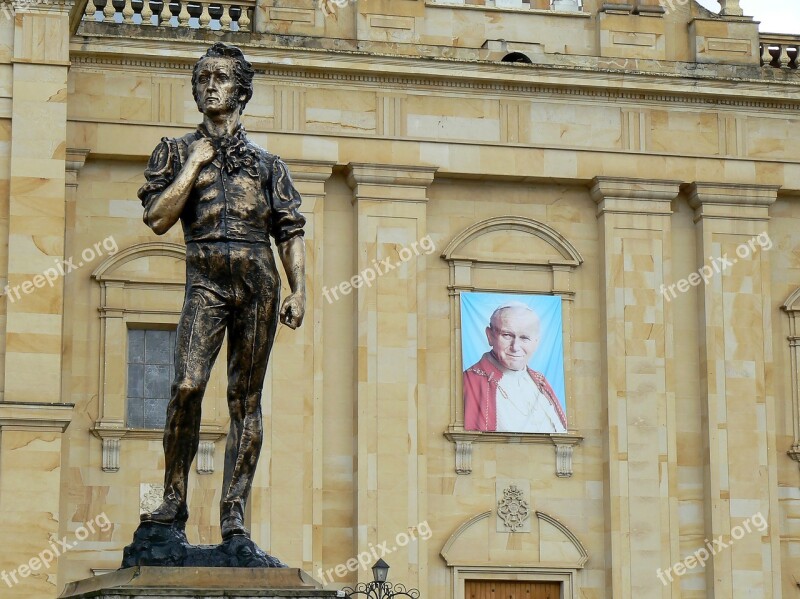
[[379, 588]]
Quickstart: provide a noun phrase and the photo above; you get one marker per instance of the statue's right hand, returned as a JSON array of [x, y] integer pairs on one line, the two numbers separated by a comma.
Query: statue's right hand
[[202, 151]]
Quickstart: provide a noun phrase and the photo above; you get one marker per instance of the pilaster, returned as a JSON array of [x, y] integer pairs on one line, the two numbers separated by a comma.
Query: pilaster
[[391, 299], [37, 205], [32, 420], [641, 443], [736, 369]]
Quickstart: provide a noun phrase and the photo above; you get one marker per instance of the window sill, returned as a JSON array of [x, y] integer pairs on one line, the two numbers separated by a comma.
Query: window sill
[[563, 443], [112, 435]]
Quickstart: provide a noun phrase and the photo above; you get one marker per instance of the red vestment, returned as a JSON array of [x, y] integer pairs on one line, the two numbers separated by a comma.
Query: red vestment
[[480, 395]]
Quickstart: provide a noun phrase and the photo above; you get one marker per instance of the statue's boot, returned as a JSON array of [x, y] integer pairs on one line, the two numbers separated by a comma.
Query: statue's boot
[[171, 511], [232, 519]]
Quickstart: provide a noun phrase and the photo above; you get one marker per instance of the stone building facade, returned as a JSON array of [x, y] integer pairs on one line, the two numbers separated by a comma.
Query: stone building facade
[[609, 154]]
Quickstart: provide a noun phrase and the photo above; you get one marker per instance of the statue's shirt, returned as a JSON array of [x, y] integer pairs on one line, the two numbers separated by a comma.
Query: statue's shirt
[[245, 194]]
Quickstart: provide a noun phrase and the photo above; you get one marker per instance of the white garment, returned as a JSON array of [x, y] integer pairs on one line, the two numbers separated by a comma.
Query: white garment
[[522, 408]]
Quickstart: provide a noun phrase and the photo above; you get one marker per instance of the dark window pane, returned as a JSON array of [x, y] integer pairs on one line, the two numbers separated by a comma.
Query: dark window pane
[[135, 412], [157, 349], [155, 413], [136, 346], [135, 380], [157, 381], [150, 374]]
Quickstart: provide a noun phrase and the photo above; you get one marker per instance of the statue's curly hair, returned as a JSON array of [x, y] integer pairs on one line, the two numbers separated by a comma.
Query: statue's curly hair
[[242, 71]]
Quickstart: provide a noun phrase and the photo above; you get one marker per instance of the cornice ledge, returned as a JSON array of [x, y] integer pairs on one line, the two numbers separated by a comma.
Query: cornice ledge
[[731, 194], [390, 174], [317, 171], [42, 6], [358, 66], [634, 196], [35, 416], [634, 189]]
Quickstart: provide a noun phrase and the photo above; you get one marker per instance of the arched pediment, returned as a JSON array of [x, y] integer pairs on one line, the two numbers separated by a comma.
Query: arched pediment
[[793, 303], [549, 544], [513, 240], [156, 261]]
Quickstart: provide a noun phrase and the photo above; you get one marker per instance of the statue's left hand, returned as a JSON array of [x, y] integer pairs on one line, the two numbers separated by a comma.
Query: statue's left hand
[[293, 310]]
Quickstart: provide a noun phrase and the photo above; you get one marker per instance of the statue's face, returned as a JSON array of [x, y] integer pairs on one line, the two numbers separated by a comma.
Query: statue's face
[[216, 86]]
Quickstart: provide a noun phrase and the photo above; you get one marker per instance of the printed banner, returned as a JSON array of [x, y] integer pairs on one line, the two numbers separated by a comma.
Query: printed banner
[[513, 360]]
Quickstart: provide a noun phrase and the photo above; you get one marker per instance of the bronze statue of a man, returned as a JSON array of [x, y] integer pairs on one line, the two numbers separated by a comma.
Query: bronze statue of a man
[[230, 196]]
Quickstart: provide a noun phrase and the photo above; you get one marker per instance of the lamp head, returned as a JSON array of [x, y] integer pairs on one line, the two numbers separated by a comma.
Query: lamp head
[[380, 571]]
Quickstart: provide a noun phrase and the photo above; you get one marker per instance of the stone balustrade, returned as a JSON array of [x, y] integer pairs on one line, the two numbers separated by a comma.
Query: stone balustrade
[[219, 15], [780, 51]]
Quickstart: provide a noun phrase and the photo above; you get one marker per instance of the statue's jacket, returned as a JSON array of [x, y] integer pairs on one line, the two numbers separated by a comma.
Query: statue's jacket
[[245, 194]]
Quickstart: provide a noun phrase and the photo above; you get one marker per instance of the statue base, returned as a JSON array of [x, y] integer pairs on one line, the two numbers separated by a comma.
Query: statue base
[[167, 546], [195, 583]]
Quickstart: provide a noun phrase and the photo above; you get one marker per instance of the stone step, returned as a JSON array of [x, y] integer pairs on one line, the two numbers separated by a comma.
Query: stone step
[[193, 583]]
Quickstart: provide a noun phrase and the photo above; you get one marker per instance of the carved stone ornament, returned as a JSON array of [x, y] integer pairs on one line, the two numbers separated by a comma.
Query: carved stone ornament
[[150, 495], [513, 510]]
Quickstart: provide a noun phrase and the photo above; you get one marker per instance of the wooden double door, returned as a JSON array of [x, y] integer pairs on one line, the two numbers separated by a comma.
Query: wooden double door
[[502, 589]]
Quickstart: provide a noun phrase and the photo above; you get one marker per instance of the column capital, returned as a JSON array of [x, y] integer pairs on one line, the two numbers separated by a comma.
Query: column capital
[[390, 181], [650, 8], [316, 171], [732, 201], [75, 159], [634, 196], [310, 177]]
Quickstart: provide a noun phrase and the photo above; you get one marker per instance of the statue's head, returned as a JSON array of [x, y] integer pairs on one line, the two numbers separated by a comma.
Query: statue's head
[[241, 69]]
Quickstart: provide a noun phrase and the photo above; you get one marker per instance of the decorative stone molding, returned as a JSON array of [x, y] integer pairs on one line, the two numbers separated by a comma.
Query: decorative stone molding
[[205, 457], [549, 261], [792, 308], [464, 441], [377, 182], [621, 195], [731, 201], [130, 56], [112, 435], [76, 158], [617, 8], [35, 416], [111, 447], [564, 448], [513, 510], [584, 555], [552, 552], [150, 496]]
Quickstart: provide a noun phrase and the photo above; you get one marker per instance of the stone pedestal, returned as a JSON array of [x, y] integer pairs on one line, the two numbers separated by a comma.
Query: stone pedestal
[[192, 583]]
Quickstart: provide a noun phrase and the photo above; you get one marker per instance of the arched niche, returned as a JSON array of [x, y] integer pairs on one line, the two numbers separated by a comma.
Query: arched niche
[[550, 552], [510, 254], [140, 287]]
